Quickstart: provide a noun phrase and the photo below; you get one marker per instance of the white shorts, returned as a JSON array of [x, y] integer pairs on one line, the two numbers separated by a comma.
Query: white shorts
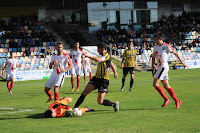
[[55, 80], [10, 75], [87, 70], [162, 73], [76, 70]]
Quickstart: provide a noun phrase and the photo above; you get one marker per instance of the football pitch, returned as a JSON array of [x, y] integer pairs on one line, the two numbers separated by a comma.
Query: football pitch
[[140, 110]]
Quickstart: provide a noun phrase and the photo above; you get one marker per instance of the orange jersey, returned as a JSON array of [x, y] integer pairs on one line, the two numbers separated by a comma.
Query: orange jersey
[[60, 106]]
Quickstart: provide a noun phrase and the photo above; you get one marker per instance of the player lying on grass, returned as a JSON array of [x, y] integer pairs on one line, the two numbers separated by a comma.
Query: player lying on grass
[[59, 108]]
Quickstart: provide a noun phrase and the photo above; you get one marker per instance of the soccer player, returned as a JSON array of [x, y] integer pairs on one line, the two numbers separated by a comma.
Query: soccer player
[[129, 64], [60, 63], [77, 57], [101, 79], [11, 64], [161, 51], [59, 108], [87, 68]]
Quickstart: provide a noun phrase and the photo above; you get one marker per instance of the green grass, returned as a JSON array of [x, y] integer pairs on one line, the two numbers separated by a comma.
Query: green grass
[[140, 110]]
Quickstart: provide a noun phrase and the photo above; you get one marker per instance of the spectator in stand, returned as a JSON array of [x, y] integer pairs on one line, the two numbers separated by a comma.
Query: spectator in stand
[[114, 49], [124, 46], [37, 42], [194, 43], [50, 51], [139, 50], [73, 18], [27, 52]]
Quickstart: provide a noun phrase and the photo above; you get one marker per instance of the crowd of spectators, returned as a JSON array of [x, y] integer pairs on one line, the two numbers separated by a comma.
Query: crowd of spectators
[[176, 27], [118, 39], [27, 29]]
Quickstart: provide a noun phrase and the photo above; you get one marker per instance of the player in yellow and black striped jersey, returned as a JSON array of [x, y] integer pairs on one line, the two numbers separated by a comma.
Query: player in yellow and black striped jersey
[[129, 64], [101, 79], [103, 67]]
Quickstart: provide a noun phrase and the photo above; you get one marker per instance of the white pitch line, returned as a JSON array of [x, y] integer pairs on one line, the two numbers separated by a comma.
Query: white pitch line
[[20, 110]]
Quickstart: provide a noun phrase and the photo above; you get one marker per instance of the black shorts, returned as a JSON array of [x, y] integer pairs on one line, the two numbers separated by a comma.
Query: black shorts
[[100, 83], [128, 69]]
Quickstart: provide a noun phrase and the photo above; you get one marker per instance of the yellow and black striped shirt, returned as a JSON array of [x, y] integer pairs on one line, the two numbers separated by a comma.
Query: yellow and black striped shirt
[[129, 56], [103, 67]]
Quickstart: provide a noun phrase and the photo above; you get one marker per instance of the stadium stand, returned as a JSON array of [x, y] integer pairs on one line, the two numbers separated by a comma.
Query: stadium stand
[[31, 43]]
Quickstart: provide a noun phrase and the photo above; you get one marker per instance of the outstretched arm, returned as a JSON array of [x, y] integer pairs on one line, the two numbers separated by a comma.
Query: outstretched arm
[[176, 54], [97, 59]]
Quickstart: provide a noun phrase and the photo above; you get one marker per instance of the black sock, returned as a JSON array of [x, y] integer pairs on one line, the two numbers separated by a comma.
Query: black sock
[[131, 83], [123, 80], [79, 101], [108, 103]]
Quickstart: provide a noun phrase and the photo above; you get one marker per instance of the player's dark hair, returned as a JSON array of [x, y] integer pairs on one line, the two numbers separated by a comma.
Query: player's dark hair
[[129, 42], [48, 113], [157, 35], [60, 43], [77, 42], [101, 45], [11, 52]]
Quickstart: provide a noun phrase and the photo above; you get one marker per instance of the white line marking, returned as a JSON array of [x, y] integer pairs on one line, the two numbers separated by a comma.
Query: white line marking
[[19, 110]]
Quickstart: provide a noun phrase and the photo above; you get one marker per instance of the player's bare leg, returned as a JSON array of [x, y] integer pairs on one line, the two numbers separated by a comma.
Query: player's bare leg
[[72, 82], [87, 90], [49, 94], [171, 92], [160, 90]]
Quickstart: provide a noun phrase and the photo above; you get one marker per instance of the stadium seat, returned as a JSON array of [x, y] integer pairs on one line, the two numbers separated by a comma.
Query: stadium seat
[[1, 50], [5, 50], [6, 45], [3, 45], [7, 41], [14, 49]]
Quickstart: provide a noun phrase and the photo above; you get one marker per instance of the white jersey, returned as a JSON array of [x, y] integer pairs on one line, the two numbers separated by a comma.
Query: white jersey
[[11, 64], [76, 57], [87, 62], [162, 54], [62, 62]]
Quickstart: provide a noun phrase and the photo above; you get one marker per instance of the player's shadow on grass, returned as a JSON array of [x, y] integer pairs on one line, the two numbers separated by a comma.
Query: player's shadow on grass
[[8, 118], [135, 109], [37, 116], [70, 93]]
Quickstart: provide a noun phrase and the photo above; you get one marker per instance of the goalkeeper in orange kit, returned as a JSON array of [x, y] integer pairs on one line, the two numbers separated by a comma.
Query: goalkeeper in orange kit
[[59, 108]]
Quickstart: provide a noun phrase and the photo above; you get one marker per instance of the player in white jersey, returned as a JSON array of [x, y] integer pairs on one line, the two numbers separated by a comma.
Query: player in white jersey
[[88, 68], [60, 63], [161, 51], [77, 59], [11, 64]]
